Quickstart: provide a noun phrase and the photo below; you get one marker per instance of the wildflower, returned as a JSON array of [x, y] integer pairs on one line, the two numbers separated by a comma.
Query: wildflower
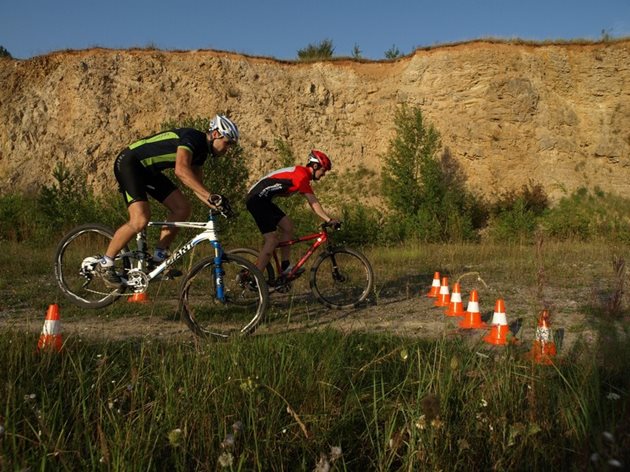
[[248, 386], [228, 442], [226, 459], [437, 423], [404, 355], [454, 363], [484, 403], [322, 465], [614, 463], [613, 396], [421, 423], [175, 437], [608, 436], [237, 426], [594, 457], [335, 453]]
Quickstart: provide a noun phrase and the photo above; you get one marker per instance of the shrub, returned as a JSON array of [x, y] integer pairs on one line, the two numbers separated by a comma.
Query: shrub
[[515, 215], [426, 191], [313, 52], [393, 52], [5, 53], [586, 215]]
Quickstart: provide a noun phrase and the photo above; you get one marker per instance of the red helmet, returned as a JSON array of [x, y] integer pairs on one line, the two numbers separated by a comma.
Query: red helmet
[[320, 158]]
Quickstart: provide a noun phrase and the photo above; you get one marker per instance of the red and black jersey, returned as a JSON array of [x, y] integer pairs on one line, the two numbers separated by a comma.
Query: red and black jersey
[[282, 183]]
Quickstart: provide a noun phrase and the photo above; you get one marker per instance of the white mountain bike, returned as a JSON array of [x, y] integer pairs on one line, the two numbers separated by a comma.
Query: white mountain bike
[[220, 296]]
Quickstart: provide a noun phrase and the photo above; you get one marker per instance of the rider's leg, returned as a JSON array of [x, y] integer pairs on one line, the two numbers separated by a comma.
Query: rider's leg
[[285, 230], [271, 241], [139, 214], [179, 209]]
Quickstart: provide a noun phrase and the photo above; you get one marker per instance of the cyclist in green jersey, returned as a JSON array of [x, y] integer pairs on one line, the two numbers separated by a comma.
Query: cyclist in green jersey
[[138, 170]]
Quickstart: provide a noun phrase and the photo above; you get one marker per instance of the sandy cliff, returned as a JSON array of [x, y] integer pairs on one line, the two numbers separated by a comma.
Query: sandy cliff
[[558, 114]]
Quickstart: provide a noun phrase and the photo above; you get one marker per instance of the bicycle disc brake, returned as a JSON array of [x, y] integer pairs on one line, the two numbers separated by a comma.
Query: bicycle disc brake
[[88, 266]]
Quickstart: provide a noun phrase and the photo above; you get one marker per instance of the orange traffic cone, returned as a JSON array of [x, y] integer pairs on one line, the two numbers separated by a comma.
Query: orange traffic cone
[[544, 347], [51, 332], [455, 306], [472, 316], [444, 297], [141, 297], [499, 329], [435, 286]]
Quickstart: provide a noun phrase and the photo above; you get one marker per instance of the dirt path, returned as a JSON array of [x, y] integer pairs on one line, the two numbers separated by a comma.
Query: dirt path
[[400, 312]]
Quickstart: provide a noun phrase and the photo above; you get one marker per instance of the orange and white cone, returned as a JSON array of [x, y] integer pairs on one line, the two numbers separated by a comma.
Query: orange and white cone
[[51, 332], [140, 297], [444, 297], [434, 291], [455, 306], [499, 330], [544, 347], [472, 317]]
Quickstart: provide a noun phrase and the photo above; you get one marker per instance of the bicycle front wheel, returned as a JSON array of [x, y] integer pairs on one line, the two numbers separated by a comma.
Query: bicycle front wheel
[[76, 258], [240, 308], [342, 278]]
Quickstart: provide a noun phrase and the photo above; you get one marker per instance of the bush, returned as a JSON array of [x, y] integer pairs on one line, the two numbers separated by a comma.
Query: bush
[[427, 194], [314, 52], [515, 215], [586, 215], [5, 53]]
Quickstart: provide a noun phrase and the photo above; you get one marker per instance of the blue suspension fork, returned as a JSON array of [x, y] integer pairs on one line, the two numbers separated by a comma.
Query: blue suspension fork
[[218, 270]]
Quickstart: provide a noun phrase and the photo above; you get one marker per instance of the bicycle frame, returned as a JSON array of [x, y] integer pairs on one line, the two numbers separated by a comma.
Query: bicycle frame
[[209, 234], [320, 239]]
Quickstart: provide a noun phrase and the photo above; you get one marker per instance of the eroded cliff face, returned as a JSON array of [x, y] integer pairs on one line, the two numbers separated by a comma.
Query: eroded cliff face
[[555, 114]]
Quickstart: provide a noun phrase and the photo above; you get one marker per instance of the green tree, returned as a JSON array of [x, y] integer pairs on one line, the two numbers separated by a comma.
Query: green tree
[[425, 192], [356, 52], [411, 162], [313, 52], [5, 53], [393, 52]]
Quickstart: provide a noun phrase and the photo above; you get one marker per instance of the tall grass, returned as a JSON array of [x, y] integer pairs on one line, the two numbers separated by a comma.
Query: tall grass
[[358, 402]]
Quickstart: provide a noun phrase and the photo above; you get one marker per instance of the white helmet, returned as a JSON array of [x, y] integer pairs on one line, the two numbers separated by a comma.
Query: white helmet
[[225, 126]]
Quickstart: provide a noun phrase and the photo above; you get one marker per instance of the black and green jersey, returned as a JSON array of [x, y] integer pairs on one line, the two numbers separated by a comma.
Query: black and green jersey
[[157, 152]]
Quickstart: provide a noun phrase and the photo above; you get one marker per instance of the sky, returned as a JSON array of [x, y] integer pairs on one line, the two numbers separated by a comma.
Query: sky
[[279, 28]]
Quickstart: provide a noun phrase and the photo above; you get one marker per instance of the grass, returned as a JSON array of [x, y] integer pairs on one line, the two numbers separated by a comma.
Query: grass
[[284, 402], [301, 400]]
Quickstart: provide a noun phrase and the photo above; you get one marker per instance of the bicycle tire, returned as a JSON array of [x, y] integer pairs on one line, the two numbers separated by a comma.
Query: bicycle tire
[[238, 314], [342, 278], [81, 286], [252, 255]]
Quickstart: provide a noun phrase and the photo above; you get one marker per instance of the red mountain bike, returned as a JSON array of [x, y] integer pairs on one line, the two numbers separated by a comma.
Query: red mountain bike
[[340, 277]]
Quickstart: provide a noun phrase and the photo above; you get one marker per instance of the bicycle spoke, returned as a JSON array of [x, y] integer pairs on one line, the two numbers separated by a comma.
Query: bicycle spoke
[[342, 279], [238, 312], [75, 262]]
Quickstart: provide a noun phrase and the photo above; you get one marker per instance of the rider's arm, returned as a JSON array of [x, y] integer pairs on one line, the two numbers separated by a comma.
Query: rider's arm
[[191, 176], [317, 207]]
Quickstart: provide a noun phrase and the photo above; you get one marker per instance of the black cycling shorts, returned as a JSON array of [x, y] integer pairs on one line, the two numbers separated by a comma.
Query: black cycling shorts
[[266, 214], [135, 181]]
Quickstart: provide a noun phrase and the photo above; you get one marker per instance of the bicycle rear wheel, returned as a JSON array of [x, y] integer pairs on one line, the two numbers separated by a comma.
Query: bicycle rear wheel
[[75, 260], [243, 306], [252, 255], [342, 278]]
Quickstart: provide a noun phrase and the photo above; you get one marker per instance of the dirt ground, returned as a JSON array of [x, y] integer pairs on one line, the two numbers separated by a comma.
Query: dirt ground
[[403, 309]]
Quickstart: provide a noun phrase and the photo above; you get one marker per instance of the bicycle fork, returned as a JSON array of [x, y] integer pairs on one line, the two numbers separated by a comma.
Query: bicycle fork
[[218, 270]]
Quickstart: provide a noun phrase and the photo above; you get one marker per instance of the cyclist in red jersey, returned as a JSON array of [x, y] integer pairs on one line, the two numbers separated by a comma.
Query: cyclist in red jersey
[[138, 170], [269, 217]]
